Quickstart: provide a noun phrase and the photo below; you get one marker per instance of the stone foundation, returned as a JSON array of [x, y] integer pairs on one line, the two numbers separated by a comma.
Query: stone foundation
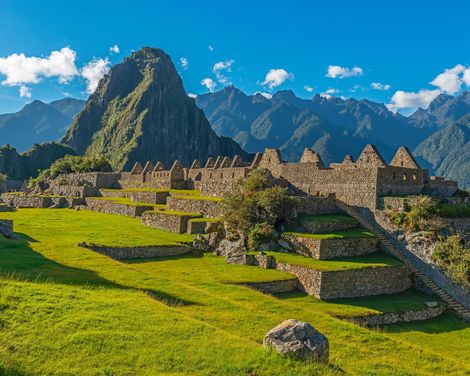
[[396, 317], [74, 191], [23, 201], [273, 287], [208, 208], [350, 283], [324, 227], [317, 205], [174, 222], [110, 207], [323, 249], [114, 193], [149, 197], [122, 253]]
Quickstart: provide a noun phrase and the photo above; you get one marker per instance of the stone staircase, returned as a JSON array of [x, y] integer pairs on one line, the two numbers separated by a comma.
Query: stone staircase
[[368, 222]]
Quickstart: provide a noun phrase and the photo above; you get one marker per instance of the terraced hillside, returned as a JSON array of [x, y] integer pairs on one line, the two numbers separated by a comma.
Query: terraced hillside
[[65, 309]]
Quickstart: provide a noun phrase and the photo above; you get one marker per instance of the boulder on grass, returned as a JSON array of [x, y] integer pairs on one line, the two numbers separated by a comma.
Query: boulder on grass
[[299, 340], [6, 228], [233, 249]]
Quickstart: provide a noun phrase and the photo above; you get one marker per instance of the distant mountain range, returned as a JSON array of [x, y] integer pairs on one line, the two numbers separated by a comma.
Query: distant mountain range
[[38, 122], [335, 127], [140, 112]]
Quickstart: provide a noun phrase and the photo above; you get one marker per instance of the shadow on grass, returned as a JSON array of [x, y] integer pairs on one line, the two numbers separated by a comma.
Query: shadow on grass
[[20, 262], [447, 322], [189, 255]]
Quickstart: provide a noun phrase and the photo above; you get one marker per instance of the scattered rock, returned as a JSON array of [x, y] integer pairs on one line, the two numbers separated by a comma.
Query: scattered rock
[[298, 340], [284, 244], [431, 304], [6, 228], [268, 246], [232, 249], [212, 227], [200, 244]]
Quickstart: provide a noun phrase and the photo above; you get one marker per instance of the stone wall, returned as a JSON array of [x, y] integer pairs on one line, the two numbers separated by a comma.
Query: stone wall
[[324, 227], [74, 190], [273, 287], [393, 203], [350, 283], [152, 251], [24, 201], [323, 249], [317, 205], [149, 197], [93, 179], [208, 208], [393, 180], [114, 193], [440, 187], [166, 221], [389, 318], [216, 181], [110, 207]]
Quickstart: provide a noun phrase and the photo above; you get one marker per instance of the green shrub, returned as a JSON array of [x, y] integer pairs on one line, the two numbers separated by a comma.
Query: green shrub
[[256, 207], [452, 255], [453, 211], [70, 164]]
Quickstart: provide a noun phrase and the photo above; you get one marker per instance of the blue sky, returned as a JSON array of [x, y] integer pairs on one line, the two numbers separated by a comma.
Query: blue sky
[[401, 46]]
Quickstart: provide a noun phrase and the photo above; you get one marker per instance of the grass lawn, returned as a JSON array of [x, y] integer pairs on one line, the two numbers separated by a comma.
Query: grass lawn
[[195, 197], [374, 260], [208, 220], [68, 310], [327, 218], [348, 234]]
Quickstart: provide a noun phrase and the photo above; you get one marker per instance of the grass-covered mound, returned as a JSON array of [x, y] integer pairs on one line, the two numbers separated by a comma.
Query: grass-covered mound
[[73, 311]]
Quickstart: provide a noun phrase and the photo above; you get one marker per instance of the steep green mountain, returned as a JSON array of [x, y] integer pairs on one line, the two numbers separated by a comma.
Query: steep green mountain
[[23, 166], [38, 122], [140, 111], [447, 152]]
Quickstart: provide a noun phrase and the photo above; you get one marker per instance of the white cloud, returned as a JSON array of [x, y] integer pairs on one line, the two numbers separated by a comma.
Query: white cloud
[[209, 83], [210, 48], [25, 92], [20, 69], [94, 71], [449, 81], [402, 99], [184, 62], [308, 88], [114, 49], [192, 95], [466, 77], [379, 86], [220, 67], [276, 77], [327, 93], [336, 71], [266, 95]]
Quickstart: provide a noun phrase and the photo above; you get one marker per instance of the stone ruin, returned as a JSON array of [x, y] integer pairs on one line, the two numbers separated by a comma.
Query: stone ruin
[[359, 183]]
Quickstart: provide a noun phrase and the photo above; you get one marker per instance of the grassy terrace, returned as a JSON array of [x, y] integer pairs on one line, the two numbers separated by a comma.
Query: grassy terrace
[[127, 201], [175, 212], [348, 234], [374, 260], [67, 310], [353, 307], [182, 192], [336, 218], [196, 197], [209, 220]]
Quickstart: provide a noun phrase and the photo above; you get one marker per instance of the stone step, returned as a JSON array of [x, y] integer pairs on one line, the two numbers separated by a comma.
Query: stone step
[[372, 226]]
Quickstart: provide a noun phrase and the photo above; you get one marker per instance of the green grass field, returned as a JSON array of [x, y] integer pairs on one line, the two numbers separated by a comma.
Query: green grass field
[[326, 218], [65, 310]]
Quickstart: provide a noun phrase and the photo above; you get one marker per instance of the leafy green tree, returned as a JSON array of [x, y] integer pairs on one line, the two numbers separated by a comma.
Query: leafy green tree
[[453, 255], [257, 207]]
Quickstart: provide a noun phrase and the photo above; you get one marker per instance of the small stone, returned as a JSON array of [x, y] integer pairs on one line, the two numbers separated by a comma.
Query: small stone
[[284, 244], [431, 304], [299, 340]]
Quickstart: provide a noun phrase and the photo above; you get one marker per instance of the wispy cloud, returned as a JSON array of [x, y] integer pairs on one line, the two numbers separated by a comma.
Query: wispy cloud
[[336, 71], [184, 63], [379, 86], [276, 77], [308, 88], [221, 68], [25, 92], [209, 83], [114, 49], [94, 71]]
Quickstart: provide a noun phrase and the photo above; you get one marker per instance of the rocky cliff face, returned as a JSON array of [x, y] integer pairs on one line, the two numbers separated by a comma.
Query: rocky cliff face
[[140, 111]]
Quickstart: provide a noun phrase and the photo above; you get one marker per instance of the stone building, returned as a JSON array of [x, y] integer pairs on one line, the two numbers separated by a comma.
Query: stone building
[[361, 183]]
